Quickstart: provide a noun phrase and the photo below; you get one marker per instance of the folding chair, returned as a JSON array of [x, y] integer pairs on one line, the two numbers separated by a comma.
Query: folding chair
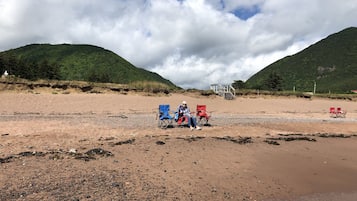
[[165, 119], [340, 113], [333, 112], [201, 115]]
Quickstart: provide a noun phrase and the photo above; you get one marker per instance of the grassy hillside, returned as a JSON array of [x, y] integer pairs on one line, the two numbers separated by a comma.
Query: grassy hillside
[[331, 63], [81, 62]]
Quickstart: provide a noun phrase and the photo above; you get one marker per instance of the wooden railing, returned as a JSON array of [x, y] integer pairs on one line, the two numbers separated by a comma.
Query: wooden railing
[[226, 91]]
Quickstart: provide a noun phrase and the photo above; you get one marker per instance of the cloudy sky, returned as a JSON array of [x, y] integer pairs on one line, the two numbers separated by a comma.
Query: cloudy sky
[[193, 43]]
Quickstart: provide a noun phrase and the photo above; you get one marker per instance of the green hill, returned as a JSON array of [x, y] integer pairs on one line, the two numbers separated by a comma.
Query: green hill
[[331, 63], [74, 62]]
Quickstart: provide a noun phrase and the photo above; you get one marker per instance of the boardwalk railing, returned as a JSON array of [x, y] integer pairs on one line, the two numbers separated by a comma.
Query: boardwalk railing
[[226, 91]]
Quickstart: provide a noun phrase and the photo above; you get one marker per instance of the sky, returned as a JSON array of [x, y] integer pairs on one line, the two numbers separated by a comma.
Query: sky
[[193, 43]]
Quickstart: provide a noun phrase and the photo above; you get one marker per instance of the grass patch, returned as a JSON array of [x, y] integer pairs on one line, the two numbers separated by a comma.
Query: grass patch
[[150, 86]]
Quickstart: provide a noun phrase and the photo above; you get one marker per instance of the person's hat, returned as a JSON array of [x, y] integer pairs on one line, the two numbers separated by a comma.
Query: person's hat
[[184, 103]]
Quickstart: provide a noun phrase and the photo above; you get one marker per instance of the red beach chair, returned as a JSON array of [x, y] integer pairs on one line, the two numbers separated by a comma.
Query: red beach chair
[[337, 112], [333, 112], [202, 115], [340, 113]]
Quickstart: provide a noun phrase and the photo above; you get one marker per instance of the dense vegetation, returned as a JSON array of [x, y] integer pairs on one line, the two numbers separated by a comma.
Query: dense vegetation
[[331, 64], [74, 62]]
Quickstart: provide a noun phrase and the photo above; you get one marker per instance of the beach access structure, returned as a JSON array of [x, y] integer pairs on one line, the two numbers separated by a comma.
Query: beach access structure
[[227, 91]]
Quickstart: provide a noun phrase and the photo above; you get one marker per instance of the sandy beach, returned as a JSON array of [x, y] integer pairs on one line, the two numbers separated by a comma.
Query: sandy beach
[[81, 146]]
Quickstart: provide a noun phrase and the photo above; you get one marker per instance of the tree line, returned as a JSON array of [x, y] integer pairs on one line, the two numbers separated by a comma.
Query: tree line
[[33, 70], [30, 70], [272, 83]]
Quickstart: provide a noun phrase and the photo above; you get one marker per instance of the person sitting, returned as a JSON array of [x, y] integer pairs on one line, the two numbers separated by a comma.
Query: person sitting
[[184, 111]]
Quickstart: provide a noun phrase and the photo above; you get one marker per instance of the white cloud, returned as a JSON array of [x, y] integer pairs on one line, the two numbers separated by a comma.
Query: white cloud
[[191, 42]]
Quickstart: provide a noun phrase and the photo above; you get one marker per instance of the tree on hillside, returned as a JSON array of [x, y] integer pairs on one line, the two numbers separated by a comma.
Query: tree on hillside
[[2, 65], [238, 84], [48, 71], [12, 65], [274, 82], [53, 72], [30, 70]]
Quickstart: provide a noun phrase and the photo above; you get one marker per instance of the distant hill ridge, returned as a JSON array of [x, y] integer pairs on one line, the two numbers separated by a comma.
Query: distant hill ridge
[[330, 63], [78, 62]]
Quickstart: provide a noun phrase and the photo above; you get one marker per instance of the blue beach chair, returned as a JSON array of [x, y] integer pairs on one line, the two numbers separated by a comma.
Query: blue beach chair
[[165, 119]]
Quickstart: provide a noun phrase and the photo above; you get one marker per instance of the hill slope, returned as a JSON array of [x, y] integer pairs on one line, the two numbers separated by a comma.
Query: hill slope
[[84, 63], [331, 63]]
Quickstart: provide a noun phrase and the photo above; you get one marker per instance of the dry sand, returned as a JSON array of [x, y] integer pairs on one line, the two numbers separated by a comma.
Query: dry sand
[[108, 147]]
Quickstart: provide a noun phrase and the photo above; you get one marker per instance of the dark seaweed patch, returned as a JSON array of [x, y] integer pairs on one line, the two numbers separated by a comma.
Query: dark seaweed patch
[[160, 142], [239, 140], [288, 139], [59, 155], [272, 142], [326, 135], [130, 141], [98, 151], [191, 139]]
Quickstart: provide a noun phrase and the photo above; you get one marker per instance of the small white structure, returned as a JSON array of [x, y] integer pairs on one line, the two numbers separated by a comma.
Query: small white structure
[[5, 74], [227, 91]]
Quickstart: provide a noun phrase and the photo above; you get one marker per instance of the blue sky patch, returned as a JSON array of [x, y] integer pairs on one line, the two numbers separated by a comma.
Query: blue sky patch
[[245, 13]]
